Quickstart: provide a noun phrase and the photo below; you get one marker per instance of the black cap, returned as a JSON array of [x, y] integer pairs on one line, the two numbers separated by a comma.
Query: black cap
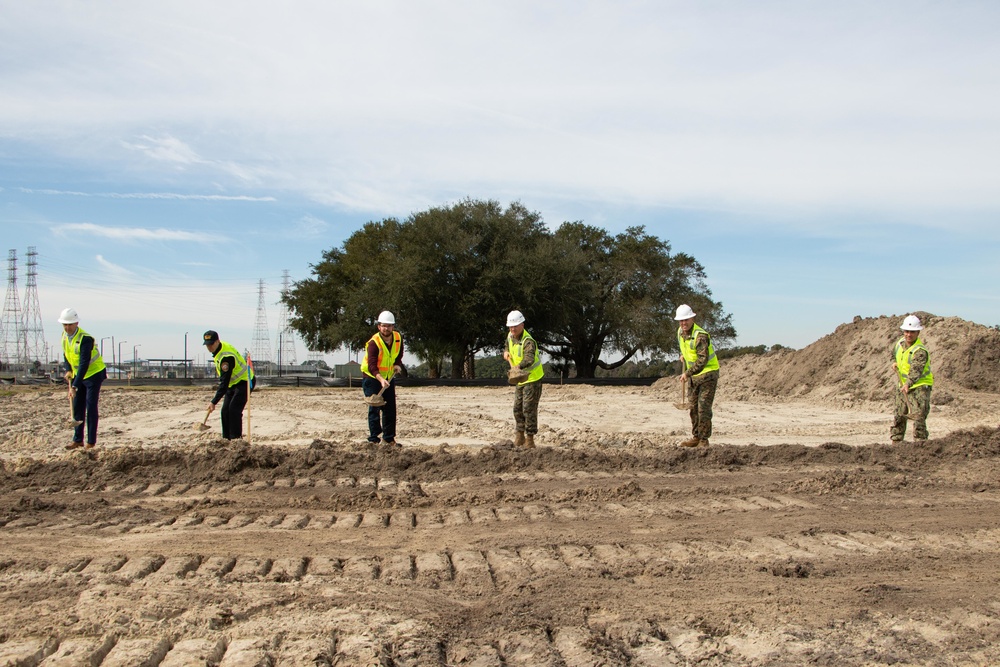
[[209, 337]]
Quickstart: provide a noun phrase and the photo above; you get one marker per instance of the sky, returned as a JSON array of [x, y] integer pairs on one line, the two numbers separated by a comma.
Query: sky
[[822, 160]]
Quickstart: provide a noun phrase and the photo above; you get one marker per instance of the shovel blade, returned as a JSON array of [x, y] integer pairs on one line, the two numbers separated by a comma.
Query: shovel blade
[[201, 426], [375, 401], [682, 406]]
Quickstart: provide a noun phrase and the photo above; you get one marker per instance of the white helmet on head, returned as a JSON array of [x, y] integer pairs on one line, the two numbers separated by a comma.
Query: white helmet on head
[[68, 316], [684, 312], [911, 323], [385, 317], [514, 318]]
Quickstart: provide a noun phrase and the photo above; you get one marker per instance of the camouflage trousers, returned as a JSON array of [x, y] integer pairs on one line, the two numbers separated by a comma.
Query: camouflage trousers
[[526, 398], [920, 406], [701, 395]]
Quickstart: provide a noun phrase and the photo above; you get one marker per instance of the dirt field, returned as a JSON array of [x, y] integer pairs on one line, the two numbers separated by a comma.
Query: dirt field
[[800, 537]]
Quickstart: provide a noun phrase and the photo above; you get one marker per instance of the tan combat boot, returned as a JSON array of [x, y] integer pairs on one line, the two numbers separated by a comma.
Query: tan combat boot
[[519, 439], [529, 441], [703, 442], [691, 442]]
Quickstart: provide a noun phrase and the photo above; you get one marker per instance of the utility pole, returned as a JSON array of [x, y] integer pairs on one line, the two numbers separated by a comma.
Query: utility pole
[[34, 331], [260, 345], [11, 338], [286, 337]]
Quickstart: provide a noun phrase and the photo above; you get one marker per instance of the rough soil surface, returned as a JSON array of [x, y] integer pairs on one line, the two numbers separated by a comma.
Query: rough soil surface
[[799, 537]]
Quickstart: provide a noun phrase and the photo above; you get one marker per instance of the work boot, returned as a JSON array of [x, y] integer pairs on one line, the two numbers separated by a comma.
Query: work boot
[[74, 445], [519, 439], [691, 442], [703, 442], [89, 445], [529, 441]]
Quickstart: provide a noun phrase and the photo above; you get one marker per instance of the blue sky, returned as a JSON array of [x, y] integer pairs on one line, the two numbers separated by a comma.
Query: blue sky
[[821, 159]]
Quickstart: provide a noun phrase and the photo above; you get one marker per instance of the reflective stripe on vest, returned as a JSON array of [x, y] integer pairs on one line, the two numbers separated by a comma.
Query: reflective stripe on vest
[[903, 355], [386, 357], [689, 350], [239, 372], [71, 350], [516, 349]]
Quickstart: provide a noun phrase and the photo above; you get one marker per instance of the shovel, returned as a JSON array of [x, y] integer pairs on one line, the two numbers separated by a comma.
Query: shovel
[[683, 405], [73, 421], [376, 400], [203, 424], [909, 408]]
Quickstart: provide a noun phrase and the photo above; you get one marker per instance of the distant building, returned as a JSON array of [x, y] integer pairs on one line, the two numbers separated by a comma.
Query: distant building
[[351, 369]]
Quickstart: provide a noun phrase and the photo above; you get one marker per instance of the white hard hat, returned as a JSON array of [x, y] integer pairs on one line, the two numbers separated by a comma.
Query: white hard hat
[[385, 317], [514, 318], [684, 312], [68, 316], [911, 323]]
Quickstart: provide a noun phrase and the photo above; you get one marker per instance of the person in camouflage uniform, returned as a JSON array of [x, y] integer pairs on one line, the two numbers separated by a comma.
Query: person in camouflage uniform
[[912, 363], [701, 374], [521, 352]]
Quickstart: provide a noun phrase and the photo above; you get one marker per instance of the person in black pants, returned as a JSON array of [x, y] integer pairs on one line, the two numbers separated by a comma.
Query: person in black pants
[[85, 373], [235, 382]]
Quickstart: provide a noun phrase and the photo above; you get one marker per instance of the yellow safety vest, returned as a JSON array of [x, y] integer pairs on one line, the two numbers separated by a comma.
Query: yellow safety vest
[[240, 372], [71, 349], [903, 355], [516, 349], [689, 350], [386, 357]]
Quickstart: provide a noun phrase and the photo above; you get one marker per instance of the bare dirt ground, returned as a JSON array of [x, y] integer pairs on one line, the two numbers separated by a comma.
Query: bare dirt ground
[[800, 537]]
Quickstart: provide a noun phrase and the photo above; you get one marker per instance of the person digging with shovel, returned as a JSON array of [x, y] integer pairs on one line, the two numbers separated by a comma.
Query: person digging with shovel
[[236, 380], [912, 362], [700, 376], [85, 373], [526, 371], [382, 361]]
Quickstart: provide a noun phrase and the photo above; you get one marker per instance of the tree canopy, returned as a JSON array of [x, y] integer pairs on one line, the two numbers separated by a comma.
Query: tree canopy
[[450, 275]]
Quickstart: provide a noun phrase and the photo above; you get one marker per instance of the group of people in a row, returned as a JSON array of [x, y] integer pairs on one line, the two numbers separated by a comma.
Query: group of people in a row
[[383, 361]]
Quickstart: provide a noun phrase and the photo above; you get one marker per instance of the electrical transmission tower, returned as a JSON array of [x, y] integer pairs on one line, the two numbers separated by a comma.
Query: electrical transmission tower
[[260, 345], [11, 325], [286, 337], [34, 332]]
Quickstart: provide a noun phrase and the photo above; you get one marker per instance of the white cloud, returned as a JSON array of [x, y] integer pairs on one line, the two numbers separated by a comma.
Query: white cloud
[[115, 269], [146, 195], [310, 225], [129, 233]]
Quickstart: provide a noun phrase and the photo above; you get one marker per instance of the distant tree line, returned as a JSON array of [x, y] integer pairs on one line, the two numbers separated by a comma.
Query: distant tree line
[[450, 274], [494, 366]]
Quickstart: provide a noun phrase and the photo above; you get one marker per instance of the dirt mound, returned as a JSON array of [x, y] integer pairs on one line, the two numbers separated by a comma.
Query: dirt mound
[[854, 363]]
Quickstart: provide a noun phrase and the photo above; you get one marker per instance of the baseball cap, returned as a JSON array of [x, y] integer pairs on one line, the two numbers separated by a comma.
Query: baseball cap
[[209, 337]]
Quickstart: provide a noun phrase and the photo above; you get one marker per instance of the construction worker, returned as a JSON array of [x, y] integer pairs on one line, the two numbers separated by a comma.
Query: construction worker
[[912, 363], [382, 360], [85, 373], [701, 374], [521, 352], [236, 380]]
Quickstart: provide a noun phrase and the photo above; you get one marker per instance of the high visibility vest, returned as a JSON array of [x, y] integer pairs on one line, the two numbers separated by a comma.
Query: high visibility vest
[[71, 349], [516, 349], [386, 356], [903, 354], [689, 349], [240, 372]]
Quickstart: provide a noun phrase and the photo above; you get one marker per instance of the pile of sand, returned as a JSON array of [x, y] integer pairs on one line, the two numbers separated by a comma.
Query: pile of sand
[[854, 363]]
